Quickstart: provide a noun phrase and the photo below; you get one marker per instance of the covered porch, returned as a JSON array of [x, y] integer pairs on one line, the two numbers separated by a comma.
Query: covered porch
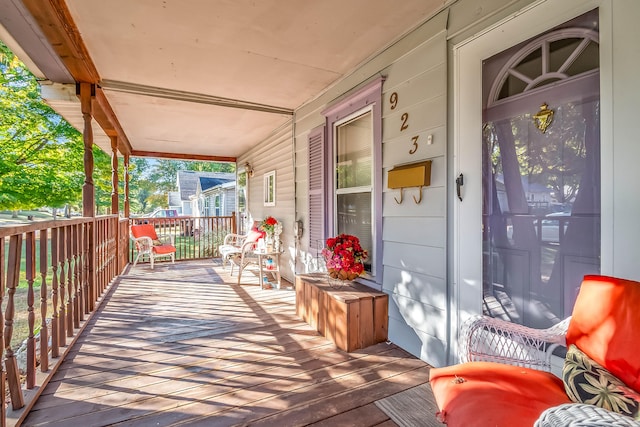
[[183, 344], [148, 81]]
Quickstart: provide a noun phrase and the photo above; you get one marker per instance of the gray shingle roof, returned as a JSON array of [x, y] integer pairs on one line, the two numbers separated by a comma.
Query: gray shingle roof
[[188, 181]]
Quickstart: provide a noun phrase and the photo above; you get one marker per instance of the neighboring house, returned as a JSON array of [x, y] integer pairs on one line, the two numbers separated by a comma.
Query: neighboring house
[[174, 201], [220, 200], [188, 184], [214, 196], [429, 97]]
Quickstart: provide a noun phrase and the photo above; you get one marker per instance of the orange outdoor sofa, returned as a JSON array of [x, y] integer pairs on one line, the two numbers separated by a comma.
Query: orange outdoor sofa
[[602, 367]]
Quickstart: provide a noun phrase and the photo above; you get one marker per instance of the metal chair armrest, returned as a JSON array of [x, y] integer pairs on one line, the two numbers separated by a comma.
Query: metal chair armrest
[[489, 339]]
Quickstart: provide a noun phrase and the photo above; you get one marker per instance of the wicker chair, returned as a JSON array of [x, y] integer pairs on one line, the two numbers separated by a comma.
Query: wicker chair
[[239, 249], [148, 244], [582, 415], [505, 374], [487, 339]]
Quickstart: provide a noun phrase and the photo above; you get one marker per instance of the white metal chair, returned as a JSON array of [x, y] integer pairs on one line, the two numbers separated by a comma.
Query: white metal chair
[[240, 250]]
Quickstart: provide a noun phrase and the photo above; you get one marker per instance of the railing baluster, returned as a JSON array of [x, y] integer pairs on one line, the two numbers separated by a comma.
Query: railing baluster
[[62, 318], [30, 266], [77, 279], [3, 375], [91, 254], [85, 269], [10, 362], [55, 333], [78, 314], [69, 257], [44, 330], [99, 256], [105, 259]]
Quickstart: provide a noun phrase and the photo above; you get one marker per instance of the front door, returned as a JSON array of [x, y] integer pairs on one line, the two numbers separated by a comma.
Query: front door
[[528, 148]]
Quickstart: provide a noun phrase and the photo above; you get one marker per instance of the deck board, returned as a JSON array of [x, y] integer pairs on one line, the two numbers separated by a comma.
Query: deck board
[[184, 345]]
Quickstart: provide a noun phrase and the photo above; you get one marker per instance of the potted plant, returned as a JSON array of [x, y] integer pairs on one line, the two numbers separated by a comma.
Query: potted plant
[[344, 257], [269, 225]]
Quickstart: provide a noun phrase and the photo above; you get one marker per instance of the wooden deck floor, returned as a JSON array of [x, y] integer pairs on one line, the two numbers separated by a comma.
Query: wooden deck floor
[[184, 345]]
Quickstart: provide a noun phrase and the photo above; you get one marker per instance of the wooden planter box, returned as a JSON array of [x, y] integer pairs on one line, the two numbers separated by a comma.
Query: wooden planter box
[[353, 316]]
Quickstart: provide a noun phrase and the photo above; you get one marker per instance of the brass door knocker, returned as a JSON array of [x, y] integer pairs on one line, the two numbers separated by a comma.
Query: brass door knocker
[[543, 118]]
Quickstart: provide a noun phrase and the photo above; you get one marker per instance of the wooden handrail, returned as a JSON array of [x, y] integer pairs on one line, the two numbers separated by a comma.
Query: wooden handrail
[[6, 231]]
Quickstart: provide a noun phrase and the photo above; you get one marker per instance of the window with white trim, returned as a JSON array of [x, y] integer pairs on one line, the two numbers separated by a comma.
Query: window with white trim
[[353, 170], [353, 190], [217, 208]]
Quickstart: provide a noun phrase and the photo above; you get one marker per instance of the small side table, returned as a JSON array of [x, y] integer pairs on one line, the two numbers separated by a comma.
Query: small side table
[[269, 263]]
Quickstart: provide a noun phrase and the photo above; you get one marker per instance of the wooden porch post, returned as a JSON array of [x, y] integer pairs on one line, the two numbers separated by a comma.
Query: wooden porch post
[[87, 91], [233, 222], [115, 202], [126, 186], [88, 189]]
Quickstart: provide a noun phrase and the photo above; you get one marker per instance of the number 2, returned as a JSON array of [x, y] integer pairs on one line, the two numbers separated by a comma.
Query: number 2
[[405, 119]]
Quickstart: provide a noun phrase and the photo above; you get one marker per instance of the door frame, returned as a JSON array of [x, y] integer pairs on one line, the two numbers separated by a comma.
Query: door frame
[[466, 220]]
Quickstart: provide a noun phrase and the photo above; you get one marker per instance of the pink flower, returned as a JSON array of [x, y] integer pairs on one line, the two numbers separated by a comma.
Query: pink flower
[[344, 254]]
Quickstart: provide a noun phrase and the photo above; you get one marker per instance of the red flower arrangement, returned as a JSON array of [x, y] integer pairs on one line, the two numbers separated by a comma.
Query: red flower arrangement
[[344, 257], [268, 224]]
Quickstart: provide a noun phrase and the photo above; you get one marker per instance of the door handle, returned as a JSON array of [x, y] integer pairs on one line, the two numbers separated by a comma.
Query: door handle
[[459, 184]]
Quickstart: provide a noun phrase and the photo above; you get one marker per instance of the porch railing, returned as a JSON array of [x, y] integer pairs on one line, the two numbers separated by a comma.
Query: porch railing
[[194, 237], [69, 264]]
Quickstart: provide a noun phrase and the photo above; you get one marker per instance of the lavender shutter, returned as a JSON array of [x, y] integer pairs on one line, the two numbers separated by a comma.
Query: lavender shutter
[[317, 191]]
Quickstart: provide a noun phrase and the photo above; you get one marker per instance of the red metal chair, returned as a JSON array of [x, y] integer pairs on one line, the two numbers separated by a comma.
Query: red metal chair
[[148, 244]]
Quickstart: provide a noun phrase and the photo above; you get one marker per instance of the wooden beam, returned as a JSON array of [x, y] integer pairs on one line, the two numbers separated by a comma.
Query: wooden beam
[[180, 156], [124, 146], [56, 23]]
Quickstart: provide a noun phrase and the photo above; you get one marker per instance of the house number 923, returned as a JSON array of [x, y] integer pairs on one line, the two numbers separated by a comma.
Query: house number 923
[[404, 121]]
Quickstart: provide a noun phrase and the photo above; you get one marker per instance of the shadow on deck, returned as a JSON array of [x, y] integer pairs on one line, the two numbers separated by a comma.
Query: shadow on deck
[[183, 345]]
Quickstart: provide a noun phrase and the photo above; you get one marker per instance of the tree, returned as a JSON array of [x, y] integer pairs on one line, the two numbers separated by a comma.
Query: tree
[[41, 154]]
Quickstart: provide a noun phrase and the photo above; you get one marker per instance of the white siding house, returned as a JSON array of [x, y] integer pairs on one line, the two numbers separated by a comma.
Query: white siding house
[[523, 112], [274, 155], [431, 251]]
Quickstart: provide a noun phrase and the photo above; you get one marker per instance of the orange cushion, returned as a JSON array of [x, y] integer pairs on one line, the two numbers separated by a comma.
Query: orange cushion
[[164, 249], [493, 394], [604, 325], [141, 230]]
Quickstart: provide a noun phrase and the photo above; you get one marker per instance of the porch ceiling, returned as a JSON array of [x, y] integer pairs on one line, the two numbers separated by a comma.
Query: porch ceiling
[[212, 78]]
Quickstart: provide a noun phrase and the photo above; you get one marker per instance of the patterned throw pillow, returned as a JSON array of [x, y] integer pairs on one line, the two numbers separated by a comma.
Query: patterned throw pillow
[[585, 381], [157, 242]]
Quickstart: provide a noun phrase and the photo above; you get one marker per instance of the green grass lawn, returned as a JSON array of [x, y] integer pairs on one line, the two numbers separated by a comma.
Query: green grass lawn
[[6, 217]]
